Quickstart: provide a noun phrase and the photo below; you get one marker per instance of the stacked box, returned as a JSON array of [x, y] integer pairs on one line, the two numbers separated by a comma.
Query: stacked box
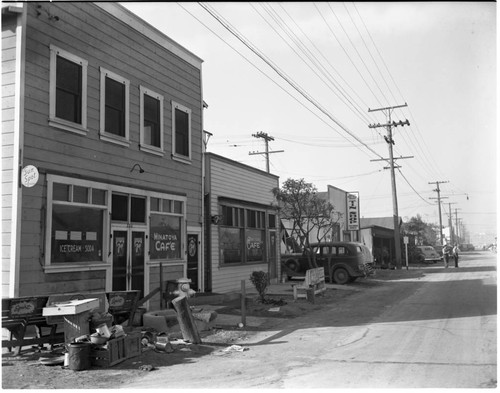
[[110, 354], [133, 345]]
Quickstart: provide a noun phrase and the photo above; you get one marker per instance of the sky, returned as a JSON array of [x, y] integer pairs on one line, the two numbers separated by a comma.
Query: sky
[[313, 76]]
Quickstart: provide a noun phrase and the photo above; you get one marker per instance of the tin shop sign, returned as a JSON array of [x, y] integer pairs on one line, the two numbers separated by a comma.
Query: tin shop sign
[[353, 211]]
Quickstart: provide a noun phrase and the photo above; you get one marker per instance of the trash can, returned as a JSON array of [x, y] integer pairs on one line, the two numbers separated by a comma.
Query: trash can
[[79, 356]]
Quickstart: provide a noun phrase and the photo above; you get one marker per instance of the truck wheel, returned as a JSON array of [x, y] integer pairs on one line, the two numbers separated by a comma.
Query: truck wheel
[[341, 276]]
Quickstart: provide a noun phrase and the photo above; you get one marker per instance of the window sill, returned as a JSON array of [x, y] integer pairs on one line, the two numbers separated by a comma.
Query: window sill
[[183, 159], [151, 149], [239, 264], [107, 137], [166, 262], [68, 126], [75, 267]]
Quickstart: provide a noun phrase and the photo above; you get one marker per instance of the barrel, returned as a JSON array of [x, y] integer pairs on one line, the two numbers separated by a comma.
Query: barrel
[[79, 356]]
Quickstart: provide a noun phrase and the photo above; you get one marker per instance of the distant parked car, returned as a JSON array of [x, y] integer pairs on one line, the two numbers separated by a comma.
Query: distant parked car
[[426, 254], [466, 247], [349, 260]]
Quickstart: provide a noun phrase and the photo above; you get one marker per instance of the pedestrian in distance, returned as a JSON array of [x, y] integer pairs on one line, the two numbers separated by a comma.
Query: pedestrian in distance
[[446, 254], [455, 254]]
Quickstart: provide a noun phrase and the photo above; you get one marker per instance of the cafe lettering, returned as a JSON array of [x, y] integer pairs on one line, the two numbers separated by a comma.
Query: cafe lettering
[[164, 243]]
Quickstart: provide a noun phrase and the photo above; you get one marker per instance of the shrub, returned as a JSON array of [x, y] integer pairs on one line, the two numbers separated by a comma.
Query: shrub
[[260, 280]]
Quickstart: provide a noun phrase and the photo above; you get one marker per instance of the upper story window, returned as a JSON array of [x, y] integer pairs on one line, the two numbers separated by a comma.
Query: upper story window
[[151, 126], [181, 132], [68, 91], [114, 121]]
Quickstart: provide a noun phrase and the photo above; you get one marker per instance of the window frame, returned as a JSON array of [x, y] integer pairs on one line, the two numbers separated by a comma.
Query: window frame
[[175, 155], [57, 267], [242, 213], [53, 119], [142, 144], [108, 136]]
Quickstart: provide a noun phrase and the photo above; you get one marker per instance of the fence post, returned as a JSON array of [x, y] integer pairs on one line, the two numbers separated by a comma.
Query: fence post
[[243, 303]]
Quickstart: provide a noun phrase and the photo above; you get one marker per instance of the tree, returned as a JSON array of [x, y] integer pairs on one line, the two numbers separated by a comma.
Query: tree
[[309, 215], [425, 234]]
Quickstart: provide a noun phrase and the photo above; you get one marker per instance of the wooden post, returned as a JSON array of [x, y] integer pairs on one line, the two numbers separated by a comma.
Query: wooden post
[[186, 320], [161, 286], [243, 303]]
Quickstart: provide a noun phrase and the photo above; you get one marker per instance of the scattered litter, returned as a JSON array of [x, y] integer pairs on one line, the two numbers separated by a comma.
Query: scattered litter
[[53, 361], [237, 348], [231, 349], [163, 345], [185, 349], [180, 342], [240, 325], [274, 309], [147, 367]]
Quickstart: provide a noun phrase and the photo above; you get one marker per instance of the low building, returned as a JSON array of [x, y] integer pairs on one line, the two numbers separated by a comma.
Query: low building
[[241, 224], [377, 234]]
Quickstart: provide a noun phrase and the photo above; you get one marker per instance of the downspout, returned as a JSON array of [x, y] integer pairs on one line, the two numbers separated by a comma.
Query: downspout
[[16, 218]]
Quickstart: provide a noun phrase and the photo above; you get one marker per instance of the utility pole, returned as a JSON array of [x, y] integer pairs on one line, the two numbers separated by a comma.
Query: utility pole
[[266, 138], [439, 205], [450, 222], [459, 233], [387, 111]]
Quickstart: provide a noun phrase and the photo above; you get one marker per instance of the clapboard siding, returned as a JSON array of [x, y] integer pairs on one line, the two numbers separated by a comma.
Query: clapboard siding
[[229, 179], [9, 41], [86, 30]]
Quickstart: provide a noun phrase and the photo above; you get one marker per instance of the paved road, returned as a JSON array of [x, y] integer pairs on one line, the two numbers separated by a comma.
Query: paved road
[[429, 328]]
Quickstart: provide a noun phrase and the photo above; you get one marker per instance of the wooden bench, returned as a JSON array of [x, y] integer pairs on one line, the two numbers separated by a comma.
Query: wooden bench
[[18, 314], [314, 280]]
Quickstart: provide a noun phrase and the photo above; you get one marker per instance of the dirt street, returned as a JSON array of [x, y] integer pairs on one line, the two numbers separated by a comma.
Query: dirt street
[[274, 354]]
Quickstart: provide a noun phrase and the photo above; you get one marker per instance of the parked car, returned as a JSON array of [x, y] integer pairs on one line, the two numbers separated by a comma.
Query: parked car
[[426, 254], [439, 250], [349, 260]]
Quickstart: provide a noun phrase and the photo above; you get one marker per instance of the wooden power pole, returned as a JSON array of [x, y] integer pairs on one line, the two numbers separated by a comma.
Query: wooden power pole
[[387, 111], [439, 197], [266, 138]]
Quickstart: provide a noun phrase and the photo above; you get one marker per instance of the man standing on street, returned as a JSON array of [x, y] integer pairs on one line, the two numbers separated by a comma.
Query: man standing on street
[[446, 254], [455, 254]]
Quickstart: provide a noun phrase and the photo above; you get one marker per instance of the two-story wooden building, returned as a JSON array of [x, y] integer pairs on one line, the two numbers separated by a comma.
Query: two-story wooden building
[[102, 176]]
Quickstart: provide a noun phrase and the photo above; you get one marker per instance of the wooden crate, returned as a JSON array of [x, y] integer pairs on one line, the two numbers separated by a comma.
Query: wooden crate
[[133, 346], [110, 354]]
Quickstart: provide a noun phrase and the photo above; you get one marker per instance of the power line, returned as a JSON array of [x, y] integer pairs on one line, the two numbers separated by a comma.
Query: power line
[[283, 75]]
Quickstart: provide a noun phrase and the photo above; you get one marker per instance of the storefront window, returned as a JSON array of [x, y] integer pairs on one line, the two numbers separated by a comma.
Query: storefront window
[[165, 237], [242, 235], [77, 234], [255, 245], [230, 245]]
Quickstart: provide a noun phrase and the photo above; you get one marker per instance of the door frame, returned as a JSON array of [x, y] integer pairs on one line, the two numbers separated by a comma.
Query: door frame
[[129, 228], [201, 270]]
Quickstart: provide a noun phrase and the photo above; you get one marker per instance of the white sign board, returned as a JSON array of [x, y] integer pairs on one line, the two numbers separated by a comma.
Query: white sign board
[[29, 176], [352, 211], [405, 239]]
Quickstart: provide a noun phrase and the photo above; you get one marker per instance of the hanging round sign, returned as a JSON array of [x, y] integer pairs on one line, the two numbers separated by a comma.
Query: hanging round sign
[[29, 176]]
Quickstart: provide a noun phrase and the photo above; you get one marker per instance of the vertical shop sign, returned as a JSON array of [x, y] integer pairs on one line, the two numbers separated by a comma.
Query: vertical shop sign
[[353, 211]]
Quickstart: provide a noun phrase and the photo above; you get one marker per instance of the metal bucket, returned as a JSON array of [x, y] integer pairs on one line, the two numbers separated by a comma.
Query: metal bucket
[[79, 356]]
